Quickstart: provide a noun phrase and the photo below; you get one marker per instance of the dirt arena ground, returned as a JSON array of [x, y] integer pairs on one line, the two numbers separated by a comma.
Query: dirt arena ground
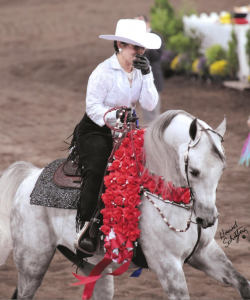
[[48, 49]]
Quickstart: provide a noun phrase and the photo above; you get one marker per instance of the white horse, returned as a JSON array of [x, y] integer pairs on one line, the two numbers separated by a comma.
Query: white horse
[[34, 232]]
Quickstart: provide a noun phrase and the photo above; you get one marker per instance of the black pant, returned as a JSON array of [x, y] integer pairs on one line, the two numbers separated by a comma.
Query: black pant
[[95, 146]]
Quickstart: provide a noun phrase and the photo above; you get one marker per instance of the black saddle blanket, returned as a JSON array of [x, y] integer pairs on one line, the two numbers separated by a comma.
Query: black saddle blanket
[[47, 193]]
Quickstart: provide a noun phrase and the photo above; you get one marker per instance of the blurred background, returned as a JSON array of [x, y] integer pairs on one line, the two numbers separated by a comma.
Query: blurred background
[[48, 49]]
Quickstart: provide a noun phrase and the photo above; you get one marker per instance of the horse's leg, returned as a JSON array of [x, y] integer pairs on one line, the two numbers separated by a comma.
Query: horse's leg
[[34, 245], [172, 278], [104, 287], [213, 261], [31, 270], [33, 250]]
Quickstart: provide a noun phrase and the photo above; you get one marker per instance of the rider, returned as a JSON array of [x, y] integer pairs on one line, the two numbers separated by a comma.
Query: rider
[[122, 80]]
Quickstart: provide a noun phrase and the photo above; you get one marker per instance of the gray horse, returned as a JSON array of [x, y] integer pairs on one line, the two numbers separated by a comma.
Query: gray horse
[[34, 232]]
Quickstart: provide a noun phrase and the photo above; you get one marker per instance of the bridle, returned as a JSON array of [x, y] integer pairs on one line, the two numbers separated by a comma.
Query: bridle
[[186, 158], [192, 144]]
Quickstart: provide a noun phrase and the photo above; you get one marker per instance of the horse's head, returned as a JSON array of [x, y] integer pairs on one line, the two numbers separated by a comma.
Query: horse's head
[[202, 163], [188, 152]]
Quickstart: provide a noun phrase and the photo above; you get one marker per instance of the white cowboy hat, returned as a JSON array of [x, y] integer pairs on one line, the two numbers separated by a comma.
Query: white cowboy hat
[[134, 32]]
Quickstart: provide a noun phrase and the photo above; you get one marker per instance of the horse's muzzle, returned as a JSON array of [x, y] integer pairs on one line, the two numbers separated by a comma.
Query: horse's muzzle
[[207, 223]]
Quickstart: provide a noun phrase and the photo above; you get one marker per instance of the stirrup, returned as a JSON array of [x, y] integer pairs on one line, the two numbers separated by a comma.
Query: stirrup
[[79, 237]]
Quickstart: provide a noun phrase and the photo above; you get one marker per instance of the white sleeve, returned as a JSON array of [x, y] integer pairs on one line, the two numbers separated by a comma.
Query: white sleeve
[[149, 95], [96, 93]]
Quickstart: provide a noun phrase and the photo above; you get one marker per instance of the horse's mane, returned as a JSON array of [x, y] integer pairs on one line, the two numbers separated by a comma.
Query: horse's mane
[[160, 158]]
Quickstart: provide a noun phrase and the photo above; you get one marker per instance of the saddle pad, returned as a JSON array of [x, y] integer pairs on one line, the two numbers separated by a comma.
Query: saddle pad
[[47, 193]]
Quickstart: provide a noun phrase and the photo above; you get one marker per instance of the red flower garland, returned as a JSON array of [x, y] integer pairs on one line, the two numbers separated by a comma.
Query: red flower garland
[[121, 197]]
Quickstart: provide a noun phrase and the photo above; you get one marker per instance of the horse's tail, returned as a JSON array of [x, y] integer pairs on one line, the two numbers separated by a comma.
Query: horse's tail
[[10, 181]]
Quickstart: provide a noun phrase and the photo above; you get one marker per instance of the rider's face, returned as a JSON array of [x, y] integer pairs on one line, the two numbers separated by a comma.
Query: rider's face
[[129, 51]]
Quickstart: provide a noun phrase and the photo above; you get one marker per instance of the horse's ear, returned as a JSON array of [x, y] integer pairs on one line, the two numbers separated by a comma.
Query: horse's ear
[[193, 129], [222, 127]]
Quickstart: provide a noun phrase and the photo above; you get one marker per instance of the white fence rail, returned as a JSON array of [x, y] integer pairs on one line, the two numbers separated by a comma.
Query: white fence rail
[[213, 32]]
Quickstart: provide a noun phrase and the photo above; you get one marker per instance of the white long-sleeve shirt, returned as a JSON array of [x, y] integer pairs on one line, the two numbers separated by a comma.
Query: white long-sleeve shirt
[[109, 87]]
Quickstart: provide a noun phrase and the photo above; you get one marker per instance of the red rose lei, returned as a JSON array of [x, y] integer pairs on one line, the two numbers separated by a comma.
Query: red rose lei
[[121, 198]]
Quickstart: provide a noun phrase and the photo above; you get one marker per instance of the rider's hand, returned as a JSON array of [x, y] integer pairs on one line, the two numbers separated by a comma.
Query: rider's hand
[[142, 64], [130, 117], [120, 113]]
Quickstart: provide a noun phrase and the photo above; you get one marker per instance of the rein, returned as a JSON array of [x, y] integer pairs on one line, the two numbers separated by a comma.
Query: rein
[[118, 138]]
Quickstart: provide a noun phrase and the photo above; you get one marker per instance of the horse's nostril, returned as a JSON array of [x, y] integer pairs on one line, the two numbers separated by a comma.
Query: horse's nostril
[[203, 223], [199, 221]]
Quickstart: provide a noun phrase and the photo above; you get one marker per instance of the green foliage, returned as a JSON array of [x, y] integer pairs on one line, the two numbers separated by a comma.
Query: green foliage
[[180, 43], [215, 53], [164, 5], [169, 24], [232, 57], [248, 46], [165, 21]]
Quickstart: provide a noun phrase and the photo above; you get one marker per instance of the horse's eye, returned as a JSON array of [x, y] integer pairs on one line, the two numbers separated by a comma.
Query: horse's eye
[[195, 172]]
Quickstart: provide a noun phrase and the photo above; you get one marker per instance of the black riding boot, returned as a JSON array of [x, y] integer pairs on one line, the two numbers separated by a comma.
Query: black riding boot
[[95, 145]]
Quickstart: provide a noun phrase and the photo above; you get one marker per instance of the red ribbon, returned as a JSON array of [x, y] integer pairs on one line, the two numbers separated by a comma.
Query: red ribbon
[[129, 244], [114, 244], [120, 238], [85, 280], [123, 268], [94, 275]]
